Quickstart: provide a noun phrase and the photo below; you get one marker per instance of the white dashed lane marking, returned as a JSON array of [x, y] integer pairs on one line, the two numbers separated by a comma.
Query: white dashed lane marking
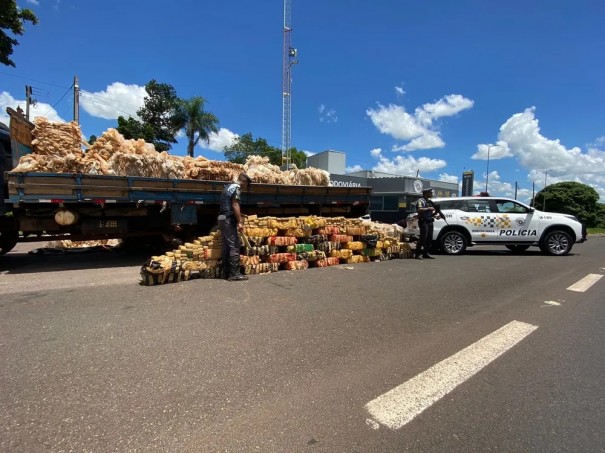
[[401, 404], [582, 285]]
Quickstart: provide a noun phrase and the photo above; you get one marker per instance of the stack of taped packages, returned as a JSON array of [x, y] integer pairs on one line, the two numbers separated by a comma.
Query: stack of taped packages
[[289, 243], [57, 148]]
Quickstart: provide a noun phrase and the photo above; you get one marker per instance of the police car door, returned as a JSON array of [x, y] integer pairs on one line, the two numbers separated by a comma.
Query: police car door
[[480, 220], [516, 222]]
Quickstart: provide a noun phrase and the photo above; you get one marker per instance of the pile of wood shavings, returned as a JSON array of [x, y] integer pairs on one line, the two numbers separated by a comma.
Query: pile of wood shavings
[[57, 148]]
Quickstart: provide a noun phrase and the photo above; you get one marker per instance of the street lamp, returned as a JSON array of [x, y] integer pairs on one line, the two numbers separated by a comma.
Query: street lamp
[[544, 194], [487, 169]]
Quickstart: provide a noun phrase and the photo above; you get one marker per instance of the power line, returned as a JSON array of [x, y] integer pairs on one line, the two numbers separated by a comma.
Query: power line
[[55, 104], [33, 80]]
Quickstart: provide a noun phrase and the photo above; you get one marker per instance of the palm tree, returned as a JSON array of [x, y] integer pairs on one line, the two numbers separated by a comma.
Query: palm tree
[[197, 122]]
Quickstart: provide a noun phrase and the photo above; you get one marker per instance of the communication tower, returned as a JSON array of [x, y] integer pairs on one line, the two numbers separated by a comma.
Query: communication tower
[[289, 59]]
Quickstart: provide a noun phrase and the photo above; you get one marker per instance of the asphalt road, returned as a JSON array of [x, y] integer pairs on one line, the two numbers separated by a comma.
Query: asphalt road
[[289, 362]]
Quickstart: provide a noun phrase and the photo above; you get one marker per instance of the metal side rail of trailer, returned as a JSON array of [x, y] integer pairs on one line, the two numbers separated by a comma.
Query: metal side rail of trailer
[[65, 187]]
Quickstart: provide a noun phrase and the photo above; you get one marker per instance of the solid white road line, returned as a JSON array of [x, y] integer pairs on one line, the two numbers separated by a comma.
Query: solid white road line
[[401, 404], [582, 285]]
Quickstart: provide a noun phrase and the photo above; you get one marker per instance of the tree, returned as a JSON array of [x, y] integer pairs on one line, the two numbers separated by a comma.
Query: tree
[[159, 116], [160, 112], [198, 123], [573, 198], [12, 18], [134, 129], [600, 223], [298, 158], [245, 146]]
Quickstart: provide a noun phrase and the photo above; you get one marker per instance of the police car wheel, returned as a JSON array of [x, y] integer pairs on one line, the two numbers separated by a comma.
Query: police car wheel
[[556, 243], [453, 243], [517, 248]]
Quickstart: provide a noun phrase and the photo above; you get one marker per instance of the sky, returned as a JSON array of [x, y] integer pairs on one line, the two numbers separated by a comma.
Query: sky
[[403, 87]]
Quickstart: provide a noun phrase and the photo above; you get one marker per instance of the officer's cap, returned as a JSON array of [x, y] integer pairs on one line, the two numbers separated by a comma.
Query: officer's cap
[[244, 178]]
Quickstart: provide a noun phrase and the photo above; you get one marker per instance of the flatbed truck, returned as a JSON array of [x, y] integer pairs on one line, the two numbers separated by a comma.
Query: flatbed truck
[[54, 206]]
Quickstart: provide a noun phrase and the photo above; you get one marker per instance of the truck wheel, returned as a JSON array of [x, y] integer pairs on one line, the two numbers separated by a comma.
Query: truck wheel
[[453, 243], [8, 240], [517, 248], [556, 242]]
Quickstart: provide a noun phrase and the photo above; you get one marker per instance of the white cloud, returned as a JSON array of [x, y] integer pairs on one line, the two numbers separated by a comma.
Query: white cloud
[[393, 120], [399, 91], [219, 141], [327, 115], [405, 165], [354, 169], [448, 178], [447, 106], [418, 129], [118, 99], [376, 153], [34, 2], [498, 151], [40, 109], [520, 138], [428, 141]]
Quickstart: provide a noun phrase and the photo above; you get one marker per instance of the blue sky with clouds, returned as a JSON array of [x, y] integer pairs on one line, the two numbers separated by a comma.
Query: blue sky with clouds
[[400, 86]]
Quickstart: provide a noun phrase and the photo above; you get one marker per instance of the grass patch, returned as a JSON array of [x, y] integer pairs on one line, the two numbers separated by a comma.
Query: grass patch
[[595, 230]]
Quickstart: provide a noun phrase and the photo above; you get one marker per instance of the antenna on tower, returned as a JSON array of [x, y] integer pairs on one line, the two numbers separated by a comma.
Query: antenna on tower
[[289, 60]]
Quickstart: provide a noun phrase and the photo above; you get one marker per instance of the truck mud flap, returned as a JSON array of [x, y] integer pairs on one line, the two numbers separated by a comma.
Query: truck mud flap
[[183, 214]]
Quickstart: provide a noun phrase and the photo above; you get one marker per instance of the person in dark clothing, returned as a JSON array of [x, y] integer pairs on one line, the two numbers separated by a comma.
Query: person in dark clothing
[[230, 224], [426, 214]]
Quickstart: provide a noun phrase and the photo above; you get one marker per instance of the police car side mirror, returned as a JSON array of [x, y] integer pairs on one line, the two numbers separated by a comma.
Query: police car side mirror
[[532, 209]]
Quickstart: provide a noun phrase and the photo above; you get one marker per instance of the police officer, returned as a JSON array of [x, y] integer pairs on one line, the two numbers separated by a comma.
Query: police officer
[[426, 213], [230, 224]]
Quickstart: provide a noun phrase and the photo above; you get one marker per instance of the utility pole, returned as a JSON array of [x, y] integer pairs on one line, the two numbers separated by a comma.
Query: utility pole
[[516, 190], [28, 100], [76, 100]]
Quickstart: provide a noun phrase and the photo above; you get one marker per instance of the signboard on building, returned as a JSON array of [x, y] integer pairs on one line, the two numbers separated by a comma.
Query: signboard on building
[[468, 178], [347, 181]]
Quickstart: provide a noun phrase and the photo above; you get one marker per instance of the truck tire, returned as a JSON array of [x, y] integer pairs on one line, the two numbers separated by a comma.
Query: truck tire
[[453, 243], [517, 248], [556, 242], [8, 240]]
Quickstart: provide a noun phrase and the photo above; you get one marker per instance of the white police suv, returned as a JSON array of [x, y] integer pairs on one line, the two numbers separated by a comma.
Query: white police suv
[[499, 221]]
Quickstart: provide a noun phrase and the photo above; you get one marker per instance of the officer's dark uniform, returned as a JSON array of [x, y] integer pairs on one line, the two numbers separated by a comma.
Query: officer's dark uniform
[[227, 224], [425, 224]]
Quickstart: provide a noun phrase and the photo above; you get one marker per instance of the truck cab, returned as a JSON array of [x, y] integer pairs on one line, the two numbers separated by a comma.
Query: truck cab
[[5, 161]]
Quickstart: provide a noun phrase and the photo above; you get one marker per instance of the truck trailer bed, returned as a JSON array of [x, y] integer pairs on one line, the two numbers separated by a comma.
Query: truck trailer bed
[[64, 187]]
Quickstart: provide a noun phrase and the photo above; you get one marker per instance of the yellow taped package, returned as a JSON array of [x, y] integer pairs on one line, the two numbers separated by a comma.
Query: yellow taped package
[[358, 259], [212, 254], [356, 230], [342, 254], [354, 245]]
